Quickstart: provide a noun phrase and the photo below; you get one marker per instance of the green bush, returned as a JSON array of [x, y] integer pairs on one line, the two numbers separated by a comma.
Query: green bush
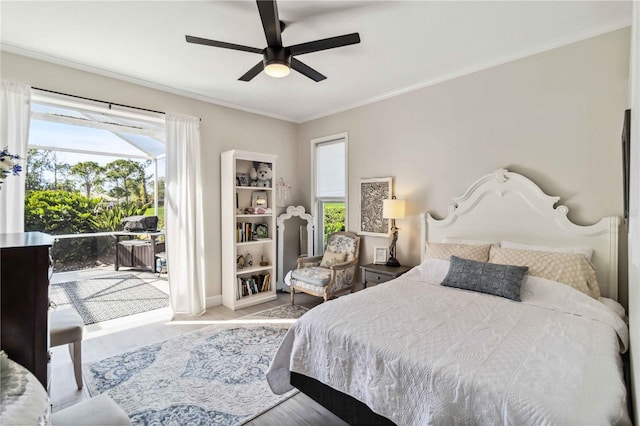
[[334, 219], [59, 212]]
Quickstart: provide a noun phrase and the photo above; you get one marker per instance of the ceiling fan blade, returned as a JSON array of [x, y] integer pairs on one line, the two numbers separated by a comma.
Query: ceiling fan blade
[[324, 44], [270, 22], [257, 69], [306, 70], [224, 45]]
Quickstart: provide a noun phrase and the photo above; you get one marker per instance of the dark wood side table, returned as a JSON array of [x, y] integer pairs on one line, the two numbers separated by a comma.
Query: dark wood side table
[[373, 274], [24, 308]]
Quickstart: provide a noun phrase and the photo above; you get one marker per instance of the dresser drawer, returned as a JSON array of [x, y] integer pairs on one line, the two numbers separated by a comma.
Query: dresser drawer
[[375, 277]]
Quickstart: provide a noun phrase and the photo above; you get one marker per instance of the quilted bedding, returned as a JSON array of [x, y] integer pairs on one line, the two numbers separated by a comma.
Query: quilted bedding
[[419, 353]]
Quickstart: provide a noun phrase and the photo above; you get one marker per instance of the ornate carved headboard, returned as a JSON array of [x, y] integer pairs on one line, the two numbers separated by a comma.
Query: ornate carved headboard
[[505, 205]]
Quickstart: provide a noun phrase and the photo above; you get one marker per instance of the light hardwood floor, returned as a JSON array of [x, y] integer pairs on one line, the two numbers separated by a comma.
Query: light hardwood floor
[[117, 336]]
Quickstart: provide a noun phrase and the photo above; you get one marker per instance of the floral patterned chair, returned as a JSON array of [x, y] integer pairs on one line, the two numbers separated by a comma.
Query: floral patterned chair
[[331, 274]]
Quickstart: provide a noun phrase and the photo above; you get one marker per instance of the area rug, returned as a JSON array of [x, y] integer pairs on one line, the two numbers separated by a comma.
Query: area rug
[[105, 298], [211, 376]]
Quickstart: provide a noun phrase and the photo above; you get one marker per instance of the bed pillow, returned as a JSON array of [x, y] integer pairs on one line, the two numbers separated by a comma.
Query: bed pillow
[[466, 251], [585, 251], [483, 277], [466, 241], [571, 269], [330, 259]]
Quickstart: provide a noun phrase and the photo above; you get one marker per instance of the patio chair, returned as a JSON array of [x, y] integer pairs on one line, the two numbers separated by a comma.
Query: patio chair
[[331, 274]]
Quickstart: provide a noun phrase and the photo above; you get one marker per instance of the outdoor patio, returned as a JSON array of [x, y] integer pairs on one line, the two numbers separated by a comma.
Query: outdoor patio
[[118, 283]]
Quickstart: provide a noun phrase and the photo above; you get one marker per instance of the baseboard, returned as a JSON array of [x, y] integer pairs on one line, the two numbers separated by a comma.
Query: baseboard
[[214, 301]]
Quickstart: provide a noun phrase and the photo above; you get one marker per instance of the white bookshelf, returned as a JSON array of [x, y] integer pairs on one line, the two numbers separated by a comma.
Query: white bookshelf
[[236, 197]]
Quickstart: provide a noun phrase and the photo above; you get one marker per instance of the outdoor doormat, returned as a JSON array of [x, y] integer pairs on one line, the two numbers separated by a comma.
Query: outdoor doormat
[[105, 298]]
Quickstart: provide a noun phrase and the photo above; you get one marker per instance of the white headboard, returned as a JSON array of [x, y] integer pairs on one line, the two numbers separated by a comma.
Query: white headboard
[[505, 205]]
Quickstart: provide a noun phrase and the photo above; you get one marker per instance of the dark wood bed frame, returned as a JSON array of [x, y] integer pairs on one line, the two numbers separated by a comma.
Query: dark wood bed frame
[[342, 405]]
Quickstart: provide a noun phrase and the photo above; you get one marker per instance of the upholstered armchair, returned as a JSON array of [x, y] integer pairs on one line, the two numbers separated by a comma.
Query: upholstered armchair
[[331, 274]]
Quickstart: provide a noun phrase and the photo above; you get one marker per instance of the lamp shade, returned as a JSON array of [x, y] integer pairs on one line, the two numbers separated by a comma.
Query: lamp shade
[[393, 209]]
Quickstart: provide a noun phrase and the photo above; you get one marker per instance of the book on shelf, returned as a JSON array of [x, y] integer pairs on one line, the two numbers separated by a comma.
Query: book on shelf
[[247, 231], [247, 286]]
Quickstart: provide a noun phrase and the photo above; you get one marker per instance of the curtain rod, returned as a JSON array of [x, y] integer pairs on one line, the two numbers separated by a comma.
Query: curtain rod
[[98, 100]]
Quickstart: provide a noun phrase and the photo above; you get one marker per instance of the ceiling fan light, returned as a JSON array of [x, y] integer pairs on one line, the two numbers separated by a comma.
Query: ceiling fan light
[[277, 69]]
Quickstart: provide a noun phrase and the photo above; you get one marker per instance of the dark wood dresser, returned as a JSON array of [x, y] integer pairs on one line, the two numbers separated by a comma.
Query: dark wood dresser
[[24, 300]]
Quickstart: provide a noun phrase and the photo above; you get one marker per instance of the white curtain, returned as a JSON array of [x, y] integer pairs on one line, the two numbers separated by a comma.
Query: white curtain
[[184, 215], [15, 109]]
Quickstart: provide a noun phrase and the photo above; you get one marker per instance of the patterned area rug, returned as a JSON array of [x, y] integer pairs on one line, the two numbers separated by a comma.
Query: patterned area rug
[[106, 298], [211, 376]]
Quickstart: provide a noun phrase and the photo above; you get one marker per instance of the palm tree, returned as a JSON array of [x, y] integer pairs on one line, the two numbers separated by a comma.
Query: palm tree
[[124, 174], [89, 173]]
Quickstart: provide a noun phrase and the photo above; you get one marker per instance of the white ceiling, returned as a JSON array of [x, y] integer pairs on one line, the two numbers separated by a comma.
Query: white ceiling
[[405, 45]]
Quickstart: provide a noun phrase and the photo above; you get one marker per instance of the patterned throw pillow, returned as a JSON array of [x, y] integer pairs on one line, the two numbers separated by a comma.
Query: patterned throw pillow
[[330, 258], [444, 251], [490, 278], [571, 269]]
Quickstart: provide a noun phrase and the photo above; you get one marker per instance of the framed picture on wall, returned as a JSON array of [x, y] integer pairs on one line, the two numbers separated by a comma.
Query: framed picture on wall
[[372, 192]]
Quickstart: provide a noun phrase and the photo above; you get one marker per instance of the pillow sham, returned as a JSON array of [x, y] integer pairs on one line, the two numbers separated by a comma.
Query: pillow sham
[[585, 251], [466, 251], [571, 269], [483, 277], [466, 241], [330, 259]]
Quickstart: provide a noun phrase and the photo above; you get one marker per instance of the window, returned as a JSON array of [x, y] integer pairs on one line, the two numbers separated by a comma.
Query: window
[[329, 159]]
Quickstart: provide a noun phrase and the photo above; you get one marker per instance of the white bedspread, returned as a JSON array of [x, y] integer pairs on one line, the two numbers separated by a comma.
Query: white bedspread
[[419, 353]]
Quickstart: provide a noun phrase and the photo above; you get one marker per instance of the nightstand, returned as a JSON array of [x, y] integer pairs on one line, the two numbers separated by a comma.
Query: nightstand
[[373, 274]]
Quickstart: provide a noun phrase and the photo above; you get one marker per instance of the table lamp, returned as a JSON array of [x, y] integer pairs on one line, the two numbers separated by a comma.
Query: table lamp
[[393, 209]]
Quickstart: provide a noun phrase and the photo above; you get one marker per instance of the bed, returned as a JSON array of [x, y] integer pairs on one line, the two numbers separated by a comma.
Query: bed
[[412, 351]]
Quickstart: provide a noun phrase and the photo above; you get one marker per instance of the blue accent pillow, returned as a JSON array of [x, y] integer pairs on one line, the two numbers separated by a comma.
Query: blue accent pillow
[[490, 278]]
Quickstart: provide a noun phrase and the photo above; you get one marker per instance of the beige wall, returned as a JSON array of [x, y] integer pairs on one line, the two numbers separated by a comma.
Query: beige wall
[[221, 129], [555, 117]]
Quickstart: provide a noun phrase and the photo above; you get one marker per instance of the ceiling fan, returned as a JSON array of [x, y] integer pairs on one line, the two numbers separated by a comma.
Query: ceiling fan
[[277, 60]]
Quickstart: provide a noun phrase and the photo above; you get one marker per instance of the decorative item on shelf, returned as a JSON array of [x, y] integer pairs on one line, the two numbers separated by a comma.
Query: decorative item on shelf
[[259, 199], [380, 255], [248, 260], [261, 231], [240, 262], [393, 209], [262, 261], [8, 165], [263, 174], [283, 194], [242, 179], [253, 175], [262, 210]]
